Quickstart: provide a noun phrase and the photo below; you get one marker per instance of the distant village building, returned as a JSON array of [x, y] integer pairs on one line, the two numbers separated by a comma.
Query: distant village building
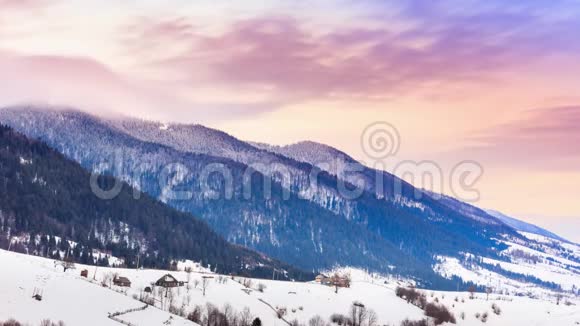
[[336, 280], [340, 281], [168, 281], [122, 281]]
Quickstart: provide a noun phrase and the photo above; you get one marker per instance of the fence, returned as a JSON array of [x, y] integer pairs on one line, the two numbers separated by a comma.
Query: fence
[[114, 316]]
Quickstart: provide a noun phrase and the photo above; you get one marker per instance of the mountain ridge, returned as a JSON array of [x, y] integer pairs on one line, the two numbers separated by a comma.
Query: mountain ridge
[[314, 228], [524, 226]]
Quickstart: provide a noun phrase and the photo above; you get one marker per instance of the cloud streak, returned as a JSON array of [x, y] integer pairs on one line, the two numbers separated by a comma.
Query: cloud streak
[[547, 138], [279, 56]]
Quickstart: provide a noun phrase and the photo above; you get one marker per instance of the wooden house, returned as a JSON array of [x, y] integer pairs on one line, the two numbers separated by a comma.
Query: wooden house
[[168, 281], [122, 281]]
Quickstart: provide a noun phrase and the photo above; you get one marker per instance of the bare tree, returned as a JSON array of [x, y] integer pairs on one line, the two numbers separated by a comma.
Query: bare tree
[[372, 318], [317, 321], [471, 291], [107, 279], [358, 314], [195, 314], [488, 291], [246, 317], [204, 284]]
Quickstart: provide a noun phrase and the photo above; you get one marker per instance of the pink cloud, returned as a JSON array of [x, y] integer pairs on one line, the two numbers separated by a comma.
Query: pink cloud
[[88, 84], [279, 55], [24, 4], [545, 138], [57, 80]]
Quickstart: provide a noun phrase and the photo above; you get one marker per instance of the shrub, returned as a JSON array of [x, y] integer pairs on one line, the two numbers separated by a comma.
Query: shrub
[[10, 322], [180, 311], [195, 315], [422, 322], [261, 287], [496, 309], [462, 315], [44, 322], [421, 301], [148, 300], [316, 321], [412, 296], [484, 317], [340, 319], [439, 313], [281, 312]]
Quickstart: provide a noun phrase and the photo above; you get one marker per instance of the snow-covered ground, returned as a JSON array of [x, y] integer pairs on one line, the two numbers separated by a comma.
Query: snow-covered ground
[[65, 296], [547, 259], [79, 301]]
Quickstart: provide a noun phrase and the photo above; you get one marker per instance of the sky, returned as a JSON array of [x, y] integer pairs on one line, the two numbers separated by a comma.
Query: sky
[[493, 82]]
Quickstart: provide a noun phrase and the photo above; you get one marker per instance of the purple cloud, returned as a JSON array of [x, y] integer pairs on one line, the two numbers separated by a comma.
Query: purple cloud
[[278, 54], [545, 138]]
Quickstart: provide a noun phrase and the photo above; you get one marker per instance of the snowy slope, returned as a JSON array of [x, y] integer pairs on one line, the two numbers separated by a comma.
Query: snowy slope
[[77, 301], [66, 296], [543, 258], [523, 226]]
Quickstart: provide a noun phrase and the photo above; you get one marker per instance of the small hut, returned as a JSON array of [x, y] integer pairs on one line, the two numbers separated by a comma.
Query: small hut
[[168, 281], [122, 281], [85, 273]]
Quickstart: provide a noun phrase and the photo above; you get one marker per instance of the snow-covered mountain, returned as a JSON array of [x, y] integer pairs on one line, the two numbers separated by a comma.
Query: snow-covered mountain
[[536, 267], [389, 229], [524, 226], [310, 152]]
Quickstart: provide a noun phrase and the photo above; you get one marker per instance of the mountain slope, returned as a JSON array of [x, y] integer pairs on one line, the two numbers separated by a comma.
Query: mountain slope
[[547, 263], [44, 195], [269, 160], [524, 226], [335, 161], [294, 229], [309, 226]]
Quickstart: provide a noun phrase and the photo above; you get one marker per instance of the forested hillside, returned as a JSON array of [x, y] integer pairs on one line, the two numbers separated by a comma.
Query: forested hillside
[[309, 227], [45, 195]]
